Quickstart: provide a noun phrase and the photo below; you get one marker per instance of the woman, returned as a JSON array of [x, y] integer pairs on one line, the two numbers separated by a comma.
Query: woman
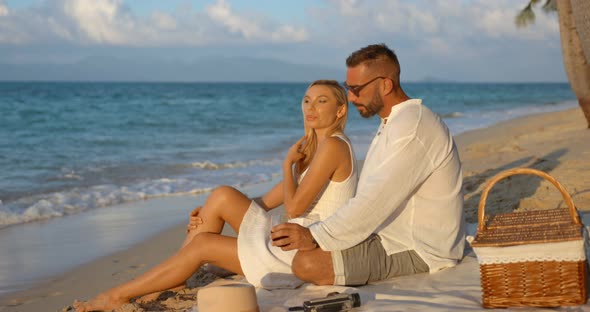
[[319, 175]]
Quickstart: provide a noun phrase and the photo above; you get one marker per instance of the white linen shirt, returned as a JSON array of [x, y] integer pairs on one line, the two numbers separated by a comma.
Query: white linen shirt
[[409, 192]]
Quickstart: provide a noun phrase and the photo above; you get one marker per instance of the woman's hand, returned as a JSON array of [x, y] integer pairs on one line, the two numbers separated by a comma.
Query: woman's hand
[[194, 220], [294, 154]]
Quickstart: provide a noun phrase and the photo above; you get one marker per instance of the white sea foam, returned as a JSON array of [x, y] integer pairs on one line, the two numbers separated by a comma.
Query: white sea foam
[[71, 175], [453, 115], [58, 204], [209, 165], [475, 120]]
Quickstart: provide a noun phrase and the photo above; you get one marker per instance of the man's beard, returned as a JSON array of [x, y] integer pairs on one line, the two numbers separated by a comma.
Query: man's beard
[[373, 107]]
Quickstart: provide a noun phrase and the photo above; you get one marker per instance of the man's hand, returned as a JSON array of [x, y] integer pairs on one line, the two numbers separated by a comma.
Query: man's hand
[[290, 236]]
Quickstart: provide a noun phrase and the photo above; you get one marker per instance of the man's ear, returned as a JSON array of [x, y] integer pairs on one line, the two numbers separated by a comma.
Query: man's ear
[[387, 86]]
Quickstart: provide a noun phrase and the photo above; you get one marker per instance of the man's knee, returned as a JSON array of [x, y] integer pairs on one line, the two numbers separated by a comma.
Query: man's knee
[[314, 266], [302, 266]]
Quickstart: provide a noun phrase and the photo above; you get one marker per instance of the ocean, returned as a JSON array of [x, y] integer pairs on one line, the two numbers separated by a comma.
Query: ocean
[[67, 148]]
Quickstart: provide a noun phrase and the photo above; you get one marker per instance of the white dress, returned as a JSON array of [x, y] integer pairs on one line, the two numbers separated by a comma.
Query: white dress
[[268, 266]]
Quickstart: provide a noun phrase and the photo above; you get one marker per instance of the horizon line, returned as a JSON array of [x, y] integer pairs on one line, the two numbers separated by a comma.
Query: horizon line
[[264, 81]]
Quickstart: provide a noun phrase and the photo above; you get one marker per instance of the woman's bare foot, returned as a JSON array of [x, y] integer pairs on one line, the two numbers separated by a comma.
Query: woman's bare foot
[[99, 303]]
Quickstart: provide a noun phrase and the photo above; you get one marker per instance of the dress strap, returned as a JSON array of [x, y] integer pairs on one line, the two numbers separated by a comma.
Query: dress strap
[[352, 158]]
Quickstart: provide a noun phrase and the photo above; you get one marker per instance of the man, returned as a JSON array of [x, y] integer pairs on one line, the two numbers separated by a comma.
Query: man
[[407, 215]]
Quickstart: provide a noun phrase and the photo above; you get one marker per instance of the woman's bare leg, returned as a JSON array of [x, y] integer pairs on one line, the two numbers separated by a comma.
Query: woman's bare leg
[[155, 295], [205, 247], [225, 204]]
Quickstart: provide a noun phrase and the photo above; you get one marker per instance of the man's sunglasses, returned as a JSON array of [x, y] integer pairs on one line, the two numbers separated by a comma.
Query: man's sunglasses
[[356, 90]]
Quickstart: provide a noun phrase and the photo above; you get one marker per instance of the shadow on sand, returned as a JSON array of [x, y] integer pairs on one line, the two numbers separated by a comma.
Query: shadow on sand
[[473, 185]]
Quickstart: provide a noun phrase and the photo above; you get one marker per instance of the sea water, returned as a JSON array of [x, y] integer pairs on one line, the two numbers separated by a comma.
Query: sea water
[[66, 148], [77, 160]]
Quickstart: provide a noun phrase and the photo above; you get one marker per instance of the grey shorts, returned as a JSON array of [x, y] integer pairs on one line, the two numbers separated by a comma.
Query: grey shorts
[[368, 262]]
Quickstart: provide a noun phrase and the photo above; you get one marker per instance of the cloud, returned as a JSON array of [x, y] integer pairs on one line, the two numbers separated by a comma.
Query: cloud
[[222, 14], [289, 33], [428, 36], [101, 21], [111, 22], [3, 9], [496, 20], [431, 27], [164, 21], [409, 18]]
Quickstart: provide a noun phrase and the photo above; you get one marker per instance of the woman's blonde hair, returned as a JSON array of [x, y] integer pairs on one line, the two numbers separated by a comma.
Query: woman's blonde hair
[[309, 146]]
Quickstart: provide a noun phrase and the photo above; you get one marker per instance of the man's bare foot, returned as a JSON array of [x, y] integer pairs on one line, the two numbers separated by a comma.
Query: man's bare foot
[[99, 303]]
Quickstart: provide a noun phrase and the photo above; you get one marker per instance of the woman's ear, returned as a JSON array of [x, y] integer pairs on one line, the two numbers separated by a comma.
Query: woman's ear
[[341, 111]]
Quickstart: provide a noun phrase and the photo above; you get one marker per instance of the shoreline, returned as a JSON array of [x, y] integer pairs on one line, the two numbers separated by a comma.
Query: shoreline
[[554, 142], [166, 226]]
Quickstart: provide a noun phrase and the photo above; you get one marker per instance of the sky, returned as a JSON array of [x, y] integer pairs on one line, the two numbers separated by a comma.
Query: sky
[[457, 40]]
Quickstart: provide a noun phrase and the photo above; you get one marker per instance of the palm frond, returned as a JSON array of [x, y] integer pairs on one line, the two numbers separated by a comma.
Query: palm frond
[[526, 15], [550, 6]]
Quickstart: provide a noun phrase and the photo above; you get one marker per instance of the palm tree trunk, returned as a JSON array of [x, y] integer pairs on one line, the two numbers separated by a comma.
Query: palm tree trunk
[[576, 65], [581, 12]]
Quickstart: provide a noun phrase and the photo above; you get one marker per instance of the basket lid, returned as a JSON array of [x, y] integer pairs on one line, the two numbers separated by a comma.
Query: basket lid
[[528, 227]]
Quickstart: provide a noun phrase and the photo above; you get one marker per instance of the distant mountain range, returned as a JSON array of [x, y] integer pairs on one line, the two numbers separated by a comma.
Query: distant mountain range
[[209, 69]]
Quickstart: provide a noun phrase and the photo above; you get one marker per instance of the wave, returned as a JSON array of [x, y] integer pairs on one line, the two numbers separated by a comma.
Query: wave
[[209, 165], [453, 115], [58, 204], [475, 120]]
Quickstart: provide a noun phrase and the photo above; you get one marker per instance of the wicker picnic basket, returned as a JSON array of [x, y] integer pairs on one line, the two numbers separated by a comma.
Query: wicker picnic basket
[[531, 258]]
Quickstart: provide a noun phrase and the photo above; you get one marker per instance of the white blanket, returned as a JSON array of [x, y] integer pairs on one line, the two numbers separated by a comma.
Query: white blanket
[[453, 289]]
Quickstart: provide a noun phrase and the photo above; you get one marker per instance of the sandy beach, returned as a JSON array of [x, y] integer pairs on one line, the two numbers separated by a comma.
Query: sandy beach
[[556, 143]]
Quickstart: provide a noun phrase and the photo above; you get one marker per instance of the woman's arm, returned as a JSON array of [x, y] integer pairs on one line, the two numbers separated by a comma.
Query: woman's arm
[[331, 155], [272, 199]]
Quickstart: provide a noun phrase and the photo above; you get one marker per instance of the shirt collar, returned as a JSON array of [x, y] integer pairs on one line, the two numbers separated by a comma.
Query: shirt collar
[[396, 108]]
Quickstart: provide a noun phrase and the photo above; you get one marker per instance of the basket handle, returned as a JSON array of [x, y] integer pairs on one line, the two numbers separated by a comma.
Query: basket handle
[[504, 174]]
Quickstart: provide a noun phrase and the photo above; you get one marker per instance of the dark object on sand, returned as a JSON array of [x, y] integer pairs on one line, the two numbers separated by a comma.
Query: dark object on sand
[[334, 302]]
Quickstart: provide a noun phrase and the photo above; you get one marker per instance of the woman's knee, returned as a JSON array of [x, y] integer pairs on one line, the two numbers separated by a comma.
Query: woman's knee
[[222, 193], [218, 198], [227, 204]]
